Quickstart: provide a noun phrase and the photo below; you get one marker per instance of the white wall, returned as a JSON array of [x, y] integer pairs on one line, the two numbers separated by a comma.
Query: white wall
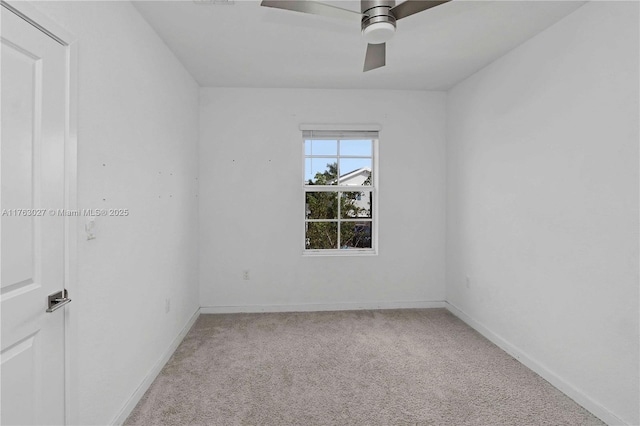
[[251, 201], [137, 149], [543, 203]]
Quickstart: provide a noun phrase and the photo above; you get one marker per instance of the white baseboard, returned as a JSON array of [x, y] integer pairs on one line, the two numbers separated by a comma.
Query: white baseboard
[[311, 307], [151, 376], [565, 387]]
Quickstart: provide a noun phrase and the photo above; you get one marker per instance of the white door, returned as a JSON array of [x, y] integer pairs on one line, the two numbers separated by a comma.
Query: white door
[[33, 90]]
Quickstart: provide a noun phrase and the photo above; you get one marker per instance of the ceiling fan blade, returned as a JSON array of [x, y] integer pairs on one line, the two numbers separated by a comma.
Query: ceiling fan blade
[[411, 7], [313, 7], [375, 57]]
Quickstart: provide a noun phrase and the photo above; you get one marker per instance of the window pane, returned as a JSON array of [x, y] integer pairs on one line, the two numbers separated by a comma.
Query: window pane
[[355, 171], [357, 148], [321, 235], [321, 171], [313, 147], [355, 235], [356, 204], [321, 205]]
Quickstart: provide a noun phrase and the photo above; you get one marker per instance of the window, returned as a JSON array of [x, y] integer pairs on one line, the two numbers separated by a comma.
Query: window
[[340, 192]]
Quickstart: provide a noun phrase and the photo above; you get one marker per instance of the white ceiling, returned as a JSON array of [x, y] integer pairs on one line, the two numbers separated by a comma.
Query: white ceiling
[[246, 45]]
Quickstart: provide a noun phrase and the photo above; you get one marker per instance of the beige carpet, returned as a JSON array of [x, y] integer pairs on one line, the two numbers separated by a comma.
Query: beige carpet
[[391, 367]]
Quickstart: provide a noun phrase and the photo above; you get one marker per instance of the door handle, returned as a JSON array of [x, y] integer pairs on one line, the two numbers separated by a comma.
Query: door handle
[[57, 300]]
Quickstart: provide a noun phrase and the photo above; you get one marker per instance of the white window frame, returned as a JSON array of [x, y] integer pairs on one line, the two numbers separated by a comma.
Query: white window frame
[[342, 132]]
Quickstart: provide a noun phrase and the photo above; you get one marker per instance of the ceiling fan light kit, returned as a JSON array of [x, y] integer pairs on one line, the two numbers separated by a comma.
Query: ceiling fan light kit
[[377, 20], [378, 23], [380, 32]]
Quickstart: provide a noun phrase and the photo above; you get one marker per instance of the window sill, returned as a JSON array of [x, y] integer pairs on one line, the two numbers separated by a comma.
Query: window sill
[[339, 253]]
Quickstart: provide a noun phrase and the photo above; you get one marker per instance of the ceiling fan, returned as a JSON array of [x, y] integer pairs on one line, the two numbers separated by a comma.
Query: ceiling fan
[[377, 20]]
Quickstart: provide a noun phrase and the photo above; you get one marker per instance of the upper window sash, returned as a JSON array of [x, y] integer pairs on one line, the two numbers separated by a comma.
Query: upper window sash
[[347, 159]]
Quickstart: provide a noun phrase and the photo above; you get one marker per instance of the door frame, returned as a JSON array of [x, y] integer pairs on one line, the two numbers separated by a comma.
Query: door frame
[[31, 14]]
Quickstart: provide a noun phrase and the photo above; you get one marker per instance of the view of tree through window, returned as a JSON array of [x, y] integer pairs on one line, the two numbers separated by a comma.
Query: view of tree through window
[[338, 194]]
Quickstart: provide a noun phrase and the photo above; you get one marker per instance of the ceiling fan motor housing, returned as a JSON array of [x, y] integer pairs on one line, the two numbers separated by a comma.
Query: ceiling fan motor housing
[[378, 23]]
